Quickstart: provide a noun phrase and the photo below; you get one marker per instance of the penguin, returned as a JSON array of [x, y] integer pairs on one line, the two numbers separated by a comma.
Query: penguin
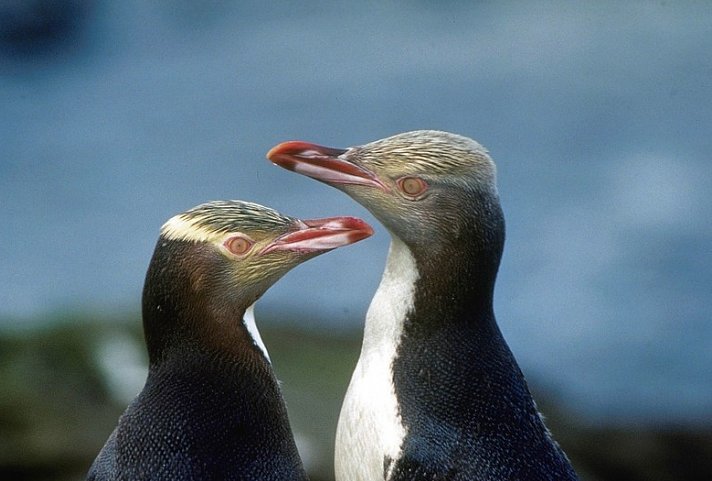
[[211, 408], [436, 393]]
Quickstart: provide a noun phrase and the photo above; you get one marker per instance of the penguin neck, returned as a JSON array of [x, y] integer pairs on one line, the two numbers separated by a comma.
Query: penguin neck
[[434, 290], [215, 355], [393, 299], [188, 307], [420, 298], [439, 300], [456, 278], [228, 335]]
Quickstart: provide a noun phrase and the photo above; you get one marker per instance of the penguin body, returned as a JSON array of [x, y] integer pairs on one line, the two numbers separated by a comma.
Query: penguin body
[[211, 408], [209, 418], [451, 402]]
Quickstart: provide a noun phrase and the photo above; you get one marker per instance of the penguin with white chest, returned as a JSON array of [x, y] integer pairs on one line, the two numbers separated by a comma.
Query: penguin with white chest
[[211, 408], [436, 393]]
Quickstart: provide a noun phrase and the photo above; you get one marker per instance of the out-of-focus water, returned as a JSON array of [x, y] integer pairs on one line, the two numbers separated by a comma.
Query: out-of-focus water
[[599, 116]]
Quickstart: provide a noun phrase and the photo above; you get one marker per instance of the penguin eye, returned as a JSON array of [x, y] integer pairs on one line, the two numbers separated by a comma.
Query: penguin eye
[[238, 245], [412, 186]]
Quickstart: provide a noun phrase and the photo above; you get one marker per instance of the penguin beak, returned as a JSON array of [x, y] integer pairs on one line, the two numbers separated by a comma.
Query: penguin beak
[[322, 163], [319, 235]]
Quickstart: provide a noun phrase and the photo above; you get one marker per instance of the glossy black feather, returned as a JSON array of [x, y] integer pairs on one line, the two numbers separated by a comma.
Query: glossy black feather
[[211, 408], [462, 398]]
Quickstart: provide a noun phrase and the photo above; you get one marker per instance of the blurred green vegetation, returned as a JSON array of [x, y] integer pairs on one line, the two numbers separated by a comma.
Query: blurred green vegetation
[[58, 404]]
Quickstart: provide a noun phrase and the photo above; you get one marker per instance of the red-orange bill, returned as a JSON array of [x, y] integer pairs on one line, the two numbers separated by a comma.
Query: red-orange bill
[[321, 235], [321, 163]]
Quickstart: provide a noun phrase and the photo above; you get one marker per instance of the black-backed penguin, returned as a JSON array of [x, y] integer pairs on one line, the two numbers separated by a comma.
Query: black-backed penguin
[[211, 408], [436, 393]]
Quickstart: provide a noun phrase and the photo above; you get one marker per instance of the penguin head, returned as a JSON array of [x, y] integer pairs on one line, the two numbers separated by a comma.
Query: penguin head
[[215, 260], [249, 246], [429, 188]]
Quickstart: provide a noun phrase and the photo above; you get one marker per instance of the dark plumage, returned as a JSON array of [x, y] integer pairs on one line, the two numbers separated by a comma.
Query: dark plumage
[[211, 408], [452, 403]]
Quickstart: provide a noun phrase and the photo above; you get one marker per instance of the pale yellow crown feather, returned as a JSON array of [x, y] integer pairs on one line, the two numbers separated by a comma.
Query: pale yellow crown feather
[[431, 152], [210, 222]]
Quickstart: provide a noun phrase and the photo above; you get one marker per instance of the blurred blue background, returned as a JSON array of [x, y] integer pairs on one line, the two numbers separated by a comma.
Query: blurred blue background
[[116, 115]]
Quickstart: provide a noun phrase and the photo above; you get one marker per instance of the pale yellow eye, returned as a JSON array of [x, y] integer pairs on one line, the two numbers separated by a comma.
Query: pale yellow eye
[[412, 186], [238, 245]]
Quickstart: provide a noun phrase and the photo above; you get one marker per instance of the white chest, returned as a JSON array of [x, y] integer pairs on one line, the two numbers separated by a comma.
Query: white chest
[[370, 427]]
